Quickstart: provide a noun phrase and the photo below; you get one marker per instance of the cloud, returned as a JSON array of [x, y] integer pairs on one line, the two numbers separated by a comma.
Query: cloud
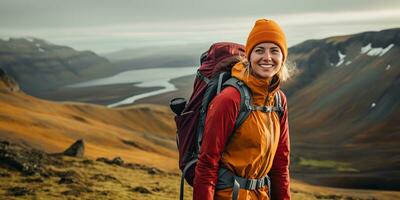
[[339, 17], [299, 27]]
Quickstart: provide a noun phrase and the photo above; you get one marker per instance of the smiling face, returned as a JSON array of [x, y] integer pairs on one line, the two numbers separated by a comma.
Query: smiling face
[[265, 60]]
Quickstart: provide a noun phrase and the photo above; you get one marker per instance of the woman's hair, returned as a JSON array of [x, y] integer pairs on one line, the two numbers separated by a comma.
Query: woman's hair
[[284, 73]]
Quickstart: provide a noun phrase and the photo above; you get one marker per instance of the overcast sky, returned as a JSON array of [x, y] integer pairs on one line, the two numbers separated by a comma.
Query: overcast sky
[[110, 25]]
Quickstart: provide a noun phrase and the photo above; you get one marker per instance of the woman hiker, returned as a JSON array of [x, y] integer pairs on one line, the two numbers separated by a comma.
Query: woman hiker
[[254, 162]]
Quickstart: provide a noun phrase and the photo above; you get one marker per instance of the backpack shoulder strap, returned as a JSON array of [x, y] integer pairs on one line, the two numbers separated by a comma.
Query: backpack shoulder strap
[[202, 77], [278, 104], [245, 100], [213, 88]]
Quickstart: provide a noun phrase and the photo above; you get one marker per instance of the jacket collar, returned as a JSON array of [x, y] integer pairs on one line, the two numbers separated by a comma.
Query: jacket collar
[[262, 89]]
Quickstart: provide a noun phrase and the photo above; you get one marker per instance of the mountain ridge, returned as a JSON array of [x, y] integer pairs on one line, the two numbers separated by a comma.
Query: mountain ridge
[[40, 65], [346, 99]]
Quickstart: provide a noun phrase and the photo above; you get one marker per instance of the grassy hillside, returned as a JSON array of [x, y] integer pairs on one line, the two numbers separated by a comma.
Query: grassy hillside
[[142, 133], [61, 177]]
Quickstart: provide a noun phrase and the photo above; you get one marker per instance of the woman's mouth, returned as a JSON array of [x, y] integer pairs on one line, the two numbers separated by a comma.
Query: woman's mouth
[[266, 65]]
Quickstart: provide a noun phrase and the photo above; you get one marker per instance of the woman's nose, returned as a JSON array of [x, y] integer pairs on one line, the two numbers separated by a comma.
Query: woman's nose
[[267, 56]]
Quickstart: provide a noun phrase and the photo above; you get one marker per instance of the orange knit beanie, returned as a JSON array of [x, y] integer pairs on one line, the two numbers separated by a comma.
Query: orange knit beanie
[[266, 30]]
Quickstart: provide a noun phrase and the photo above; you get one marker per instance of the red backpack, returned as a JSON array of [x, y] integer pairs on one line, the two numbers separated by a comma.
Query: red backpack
[[213, 75]]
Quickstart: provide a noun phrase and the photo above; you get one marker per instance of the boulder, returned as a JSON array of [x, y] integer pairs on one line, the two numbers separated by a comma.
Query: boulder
[[117, 161], [76, 150], [141, 189]]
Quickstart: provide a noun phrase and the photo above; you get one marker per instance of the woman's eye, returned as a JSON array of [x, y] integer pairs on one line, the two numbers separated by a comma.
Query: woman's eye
[[274, 51], [259, 51]]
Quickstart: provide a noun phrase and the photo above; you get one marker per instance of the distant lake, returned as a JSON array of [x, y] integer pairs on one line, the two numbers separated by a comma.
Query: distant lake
[[154, 77]]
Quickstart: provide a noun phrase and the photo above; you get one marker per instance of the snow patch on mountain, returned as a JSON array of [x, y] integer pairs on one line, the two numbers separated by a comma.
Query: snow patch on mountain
[[29, 39], [379, 51], [39, 47], [341, 58]]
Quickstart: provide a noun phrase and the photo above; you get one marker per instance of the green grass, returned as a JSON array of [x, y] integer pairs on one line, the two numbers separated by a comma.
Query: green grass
[[327, 164], [125, 183]]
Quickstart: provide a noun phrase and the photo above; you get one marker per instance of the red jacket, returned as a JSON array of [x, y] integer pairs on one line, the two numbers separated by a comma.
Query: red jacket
[[220, 120]]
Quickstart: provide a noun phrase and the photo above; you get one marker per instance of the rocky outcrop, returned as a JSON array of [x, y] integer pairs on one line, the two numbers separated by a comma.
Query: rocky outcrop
[[69, 177], [114, 161], [24, 159], [141, 189], [76, 150], [7, 83], [119, 162]]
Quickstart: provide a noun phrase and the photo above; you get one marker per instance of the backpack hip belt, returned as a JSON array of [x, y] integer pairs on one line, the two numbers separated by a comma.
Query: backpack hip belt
[[227, 179]]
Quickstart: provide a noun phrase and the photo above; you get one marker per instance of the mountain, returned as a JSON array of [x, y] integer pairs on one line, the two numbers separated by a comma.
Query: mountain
[[159, 56], [314, 57], [43, 69], [194, 49], [124, 132], [38, 65], [344, 109]]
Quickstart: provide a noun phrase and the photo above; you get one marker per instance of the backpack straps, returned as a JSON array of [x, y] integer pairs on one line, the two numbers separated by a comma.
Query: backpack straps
[[276, 108], [187, 167], [246, 105], [245, 100], [227, 179], [202, 77], [214, 86], [265, 108], [220, 78], [278, 105]]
